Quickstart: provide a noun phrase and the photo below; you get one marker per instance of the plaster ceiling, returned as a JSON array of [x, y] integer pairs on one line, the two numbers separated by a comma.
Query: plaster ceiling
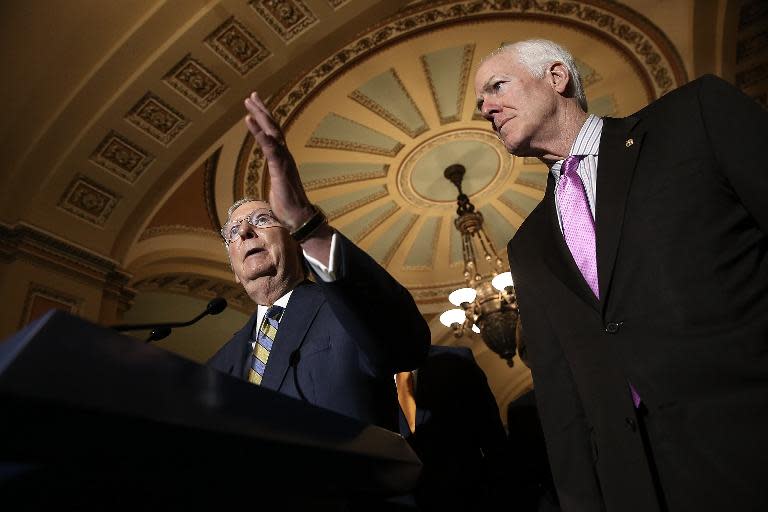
[[126, 138], [373, 129]]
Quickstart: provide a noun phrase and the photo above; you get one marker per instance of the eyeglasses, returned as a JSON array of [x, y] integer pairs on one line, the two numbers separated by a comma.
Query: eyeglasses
[[258, 219]]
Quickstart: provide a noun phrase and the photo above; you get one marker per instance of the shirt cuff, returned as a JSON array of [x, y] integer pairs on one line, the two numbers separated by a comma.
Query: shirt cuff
[[326, 274]]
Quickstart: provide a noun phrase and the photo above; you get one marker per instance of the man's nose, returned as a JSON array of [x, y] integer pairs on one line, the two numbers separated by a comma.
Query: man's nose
[[489, 108], [245, 230]]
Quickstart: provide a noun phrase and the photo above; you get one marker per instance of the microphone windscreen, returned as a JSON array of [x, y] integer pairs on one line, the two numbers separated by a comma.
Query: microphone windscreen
[[217, 305]]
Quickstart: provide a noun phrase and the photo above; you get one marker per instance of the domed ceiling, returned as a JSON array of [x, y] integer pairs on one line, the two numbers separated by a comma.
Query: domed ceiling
[[372, 145], [374, 125], [145, 149]]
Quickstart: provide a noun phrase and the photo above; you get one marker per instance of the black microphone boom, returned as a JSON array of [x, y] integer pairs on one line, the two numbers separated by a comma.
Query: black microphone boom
[[161, 330]]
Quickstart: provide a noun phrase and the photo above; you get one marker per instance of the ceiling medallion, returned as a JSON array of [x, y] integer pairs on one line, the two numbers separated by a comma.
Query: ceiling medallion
[[420, 180]]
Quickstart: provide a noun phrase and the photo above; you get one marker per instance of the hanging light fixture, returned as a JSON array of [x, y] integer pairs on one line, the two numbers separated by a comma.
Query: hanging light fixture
[[488, 304]]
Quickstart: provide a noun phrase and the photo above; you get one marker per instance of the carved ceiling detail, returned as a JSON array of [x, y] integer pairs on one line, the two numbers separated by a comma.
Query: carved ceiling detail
[[237, 46], [88, 200], [337, 3], [288, 18], [619, 24], [156, 118], [178, 229], [195, 82], [121, 157], [29, 243]]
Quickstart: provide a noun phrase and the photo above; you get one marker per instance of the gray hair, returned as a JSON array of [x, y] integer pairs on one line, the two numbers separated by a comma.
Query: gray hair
[[237, 204], [537, 55]]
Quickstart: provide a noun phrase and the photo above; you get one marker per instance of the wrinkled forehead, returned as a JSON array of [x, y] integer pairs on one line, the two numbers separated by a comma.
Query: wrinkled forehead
[[251, 206], [503, 63]]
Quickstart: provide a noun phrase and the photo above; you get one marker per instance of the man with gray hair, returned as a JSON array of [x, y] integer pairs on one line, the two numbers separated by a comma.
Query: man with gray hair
[[642, 281], [321, 342]]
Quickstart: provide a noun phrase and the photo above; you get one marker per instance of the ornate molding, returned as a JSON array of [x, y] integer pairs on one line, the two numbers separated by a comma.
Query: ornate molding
[[29, 243], [201, 287], [399, 240], [315, 184], [433, 243], [525, 181], [649, 49], [237, 46], [618, 23], [352, 145], [522, 212], [178, 229], [405, 172], [354, 205], [390, 210], [121, 157], [322, 142], [382, 111], [38, 291], [461, 87], [288, 18], [156, 118], [195, 82], [88, 200]]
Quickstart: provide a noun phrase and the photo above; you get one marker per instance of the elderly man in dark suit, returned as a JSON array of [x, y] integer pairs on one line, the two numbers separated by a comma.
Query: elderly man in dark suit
[[642, 280], [320, 342]]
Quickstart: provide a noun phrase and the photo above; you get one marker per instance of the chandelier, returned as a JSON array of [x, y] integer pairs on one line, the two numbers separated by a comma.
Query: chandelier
[[488, 304]]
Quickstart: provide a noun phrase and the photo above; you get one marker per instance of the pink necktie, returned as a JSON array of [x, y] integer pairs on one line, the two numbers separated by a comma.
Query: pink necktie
[[578, 224], [579, 230]]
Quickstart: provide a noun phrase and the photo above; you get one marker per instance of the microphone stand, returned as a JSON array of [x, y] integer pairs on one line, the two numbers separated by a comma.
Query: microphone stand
[[162, 330]]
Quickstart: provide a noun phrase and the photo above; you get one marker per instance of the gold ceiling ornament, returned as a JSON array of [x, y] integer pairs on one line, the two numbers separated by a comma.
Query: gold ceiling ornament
[[642, 41], [642, 44], [488, 303]]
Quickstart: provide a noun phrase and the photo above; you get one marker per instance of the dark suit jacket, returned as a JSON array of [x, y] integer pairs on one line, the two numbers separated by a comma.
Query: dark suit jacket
[[459, 435], [682, 257], [336, 346], [534, 489]]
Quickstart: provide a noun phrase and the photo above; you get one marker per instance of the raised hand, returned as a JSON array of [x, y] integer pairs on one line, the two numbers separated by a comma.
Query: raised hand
[[287, 197]]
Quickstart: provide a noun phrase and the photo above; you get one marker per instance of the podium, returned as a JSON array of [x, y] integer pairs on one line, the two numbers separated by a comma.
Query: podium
[[94, 419]]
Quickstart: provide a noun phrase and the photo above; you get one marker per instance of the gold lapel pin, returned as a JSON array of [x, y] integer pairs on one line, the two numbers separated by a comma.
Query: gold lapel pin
[[629, 142]]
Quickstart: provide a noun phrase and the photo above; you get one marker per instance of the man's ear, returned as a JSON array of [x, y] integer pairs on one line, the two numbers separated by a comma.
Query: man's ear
[[558, 77]]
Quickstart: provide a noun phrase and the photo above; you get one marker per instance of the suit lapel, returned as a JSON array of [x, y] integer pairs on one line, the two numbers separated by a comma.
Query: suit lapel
[[557, 256], [240, 349], [619, 148], [302, 308]]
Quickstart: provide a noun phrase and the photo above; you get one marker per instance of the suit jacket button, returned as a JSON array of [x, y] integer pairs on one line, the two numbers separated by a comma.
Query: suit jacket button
[[612, 327], [631, 424]]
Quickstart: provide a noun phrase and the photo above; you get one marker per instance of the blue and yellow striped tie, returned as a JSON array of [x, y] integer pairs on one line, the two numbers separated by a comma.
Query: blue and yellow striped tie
[[264, 339]]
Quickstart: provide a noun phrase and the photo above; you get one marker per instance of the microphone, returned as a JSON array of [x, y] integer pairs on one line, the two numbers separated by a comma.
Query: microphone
[[161, 330]]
